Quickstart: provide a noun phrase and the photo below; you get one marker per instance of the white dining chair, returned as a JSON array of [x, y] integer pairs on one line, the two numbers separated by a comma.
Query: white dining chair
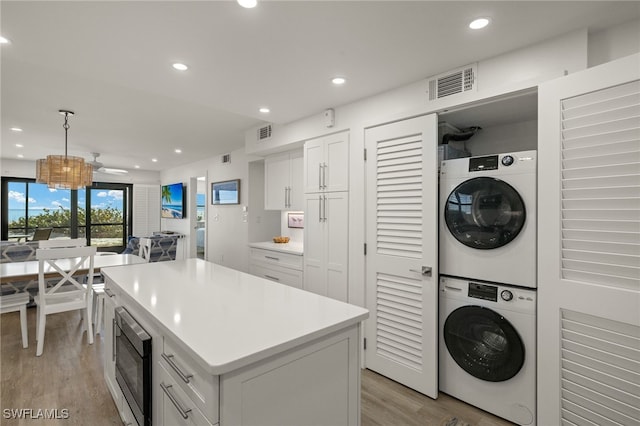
[[17, 302], [145, 249], [62, 242], [65, 262]]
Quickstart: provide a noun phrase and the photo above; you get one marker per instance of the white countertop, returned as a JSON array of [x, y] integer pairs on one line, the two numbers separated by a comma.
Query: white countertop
[[290, 247], [227, 318]]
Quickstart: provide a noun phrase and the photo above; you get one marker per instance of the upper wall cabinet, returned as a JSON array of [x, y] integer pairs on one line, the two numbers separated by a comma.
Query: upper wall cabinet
[[326, 164], [283, 181]]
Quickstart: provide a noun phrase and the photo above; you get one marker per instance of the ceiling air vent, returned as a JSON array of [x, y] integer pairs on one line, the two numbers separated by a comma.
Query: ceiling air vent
[[226, 158], [264, 133], [453, 82]]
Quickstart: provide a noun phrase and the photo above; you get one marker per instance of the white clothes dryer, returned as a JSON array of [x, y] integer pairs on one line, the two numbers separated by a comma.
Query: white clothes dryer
[[488, 218], [488, 347]]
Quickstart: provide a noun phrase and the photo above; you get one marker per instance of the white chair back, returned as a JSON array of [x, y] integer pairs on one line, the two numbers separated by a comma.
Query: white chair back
[[63, 242], [66, 261], [145, 249]]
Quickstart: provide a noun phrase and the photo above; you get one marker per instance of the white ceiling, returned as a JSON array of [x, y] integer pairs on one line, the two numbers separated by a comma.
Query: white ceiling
[[110, 62]]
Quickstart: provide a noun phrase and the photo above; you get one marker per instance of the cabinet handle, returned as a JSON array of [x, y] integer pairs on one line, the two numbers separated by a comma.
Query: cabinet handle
[[113, 340], [319, 176], [169, 358], [109, 292], [324, 175], [425, 270], [184, 413], [272, 278], [324, 209], [272, 258], [319, 208]]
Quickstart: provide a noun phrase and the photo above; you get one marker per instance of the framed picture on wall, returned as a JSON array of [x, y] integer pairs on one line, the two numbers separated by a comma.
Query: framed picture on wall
[[226, 192], [295, 220]]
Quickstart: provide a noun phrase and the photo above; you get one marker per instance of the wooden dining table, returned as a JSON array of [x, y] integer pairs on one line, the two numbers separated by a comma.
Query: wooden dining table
[[24, 271]]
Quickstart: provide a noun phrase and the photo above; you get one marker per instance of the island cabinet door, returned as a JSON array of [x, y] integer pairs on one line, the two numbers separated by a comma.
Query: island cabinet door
[[175, 408], [317, 383]]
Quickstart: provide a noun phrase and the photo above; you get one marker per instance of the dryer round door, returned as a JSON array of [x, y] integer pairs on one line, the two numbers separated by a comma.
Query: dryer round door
[[483, 343], [484, 213]]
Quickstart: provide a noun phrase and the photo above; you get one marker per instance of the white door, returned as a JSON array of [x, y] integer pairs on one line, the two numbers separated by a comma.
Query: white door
[[296, 193], [314, 272], [313, 159], [336, 162], [276, 180], [336, 223], [589, 246], [402, 238]]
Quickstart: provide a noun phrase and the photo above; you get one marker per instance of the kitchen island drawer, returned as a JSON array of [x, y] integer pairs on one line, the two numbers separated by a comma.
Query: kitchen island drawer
[[201, 387], [273, 257], [175, 408], [286, 276]]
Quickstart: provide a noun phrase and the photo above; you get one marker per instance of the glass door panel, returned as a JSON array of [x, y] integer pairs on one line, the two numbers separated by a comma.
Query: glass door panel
[[107, 218]]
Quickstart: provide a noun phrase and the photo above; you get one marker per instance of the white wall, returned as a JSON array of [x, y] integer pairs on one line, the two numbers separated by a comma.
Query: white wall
[[263, 224], [613, 43]]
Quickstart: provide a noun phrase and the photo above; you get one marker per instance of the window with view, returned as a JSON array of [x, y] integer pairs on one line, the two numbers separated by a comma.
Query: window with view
[[101, 213]]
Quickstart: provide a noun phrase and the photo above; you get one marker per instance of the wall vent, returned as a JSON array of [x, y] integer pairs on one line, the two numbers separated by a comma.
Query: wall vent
[[453, 82], [226, 158], [264, 133]]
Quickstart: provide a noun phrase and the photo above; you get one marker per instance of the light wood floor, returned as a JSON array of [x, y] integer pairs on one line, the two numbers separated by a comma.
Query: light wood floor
[[69, 376]]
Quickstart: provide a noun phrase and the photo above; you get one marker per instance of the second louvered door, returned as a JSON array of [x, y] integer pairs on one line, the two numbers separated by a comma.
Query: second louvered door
[[402, 255], [589, 247]]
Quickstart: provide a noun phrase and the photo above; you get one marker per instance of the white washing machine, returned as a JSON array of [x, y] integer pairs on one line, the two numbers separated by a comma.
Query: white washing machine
[[488, 218], [488, 347]]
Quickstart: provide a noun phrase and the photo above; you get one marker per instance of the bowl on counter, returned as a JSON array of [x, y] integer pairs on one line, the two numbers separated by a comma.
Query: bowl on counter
[[281, 240]]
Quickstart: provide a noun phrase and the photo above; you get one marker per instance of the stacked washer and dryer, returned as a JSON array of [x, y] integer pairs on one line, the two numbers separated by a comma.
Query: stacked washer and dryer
[[487, 284]]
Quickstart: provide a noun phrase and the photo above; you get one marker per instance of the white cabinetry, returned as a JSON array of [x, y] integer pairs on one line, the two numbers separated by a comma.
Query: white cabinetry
[[282, 181], [326, 164], [186, 394], [326, 237], [277, 266], [109, 355]]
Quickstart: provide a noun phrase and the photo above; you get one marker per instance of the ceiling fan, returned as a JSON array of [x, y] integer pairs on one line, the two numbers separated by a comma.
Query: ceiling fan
[[98, 167]]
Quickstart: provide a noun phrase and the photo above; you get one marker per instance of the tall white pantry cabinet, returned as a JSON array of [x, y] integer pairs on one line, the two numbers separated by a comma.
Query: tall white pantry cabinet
[[326, 207]]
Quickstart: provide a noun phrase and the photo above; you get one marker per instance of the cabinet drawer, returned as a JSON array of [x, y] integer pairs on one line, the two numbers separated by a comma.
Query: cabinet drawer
[[281, 275], [174, 404], [271, 257], [200, 387]]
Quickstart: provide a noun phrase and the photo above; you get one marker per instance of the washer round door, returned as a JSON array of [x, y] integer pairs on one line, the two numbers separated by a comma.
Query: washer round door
[[483, 343], [484, 213]]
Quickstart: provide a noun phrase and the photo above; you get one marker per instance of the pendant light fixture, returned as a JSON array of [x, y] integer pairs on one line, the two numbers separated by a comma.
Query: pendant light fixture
[[64, 171]]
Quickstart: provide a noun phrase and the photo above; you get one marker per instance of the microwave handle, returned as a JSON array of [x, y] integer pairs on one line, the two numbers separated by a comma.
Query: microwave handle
[[113, 342]]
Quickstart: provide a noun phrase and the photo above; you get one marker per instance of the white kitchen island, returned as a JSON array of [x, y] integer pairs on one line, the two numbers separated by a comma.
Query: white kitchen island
[[259, 352]]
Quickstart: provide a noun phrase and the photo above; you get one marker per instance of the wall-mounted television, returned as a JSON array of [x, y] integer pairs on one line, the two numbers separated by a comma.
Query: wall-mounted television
[[173, 201], [227, 192]]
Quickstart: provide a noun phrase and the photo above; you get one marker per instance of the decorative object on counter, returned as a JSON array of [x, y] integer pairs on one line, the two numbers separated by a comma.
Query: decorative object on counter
[[64, 171], [295, 220], [226, 192], [281, 240]]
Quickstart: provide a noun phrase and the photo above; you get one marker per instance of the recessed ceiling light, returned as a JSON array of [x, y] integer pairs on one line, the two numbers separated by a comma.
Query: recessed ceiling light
[[338, 80], [4, 40], [248, 4], [20, 156], [16, 129], [177, 151], [180, 67], [479, 23], [136, 166], [155, 160], [19, 145], [265, 110]]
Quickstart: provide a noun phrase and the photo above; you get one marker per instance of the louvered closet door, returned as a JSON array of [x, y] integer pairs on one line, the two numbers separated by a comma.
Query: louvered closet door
[[589, 247], [402, 334]]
